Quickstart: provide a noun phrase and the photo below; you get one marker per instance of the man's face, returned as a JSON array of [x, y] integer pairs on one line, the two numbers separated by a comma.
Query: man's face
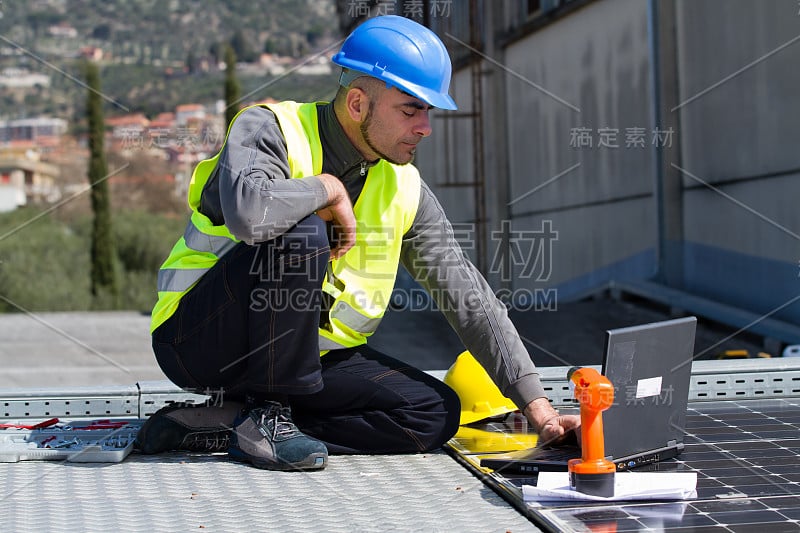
[[396, 122]]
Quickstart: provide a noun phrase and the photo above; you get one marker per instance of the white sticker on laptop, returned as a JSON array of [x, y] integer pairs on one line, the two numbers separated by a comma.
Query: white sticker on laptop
[[648, 387]]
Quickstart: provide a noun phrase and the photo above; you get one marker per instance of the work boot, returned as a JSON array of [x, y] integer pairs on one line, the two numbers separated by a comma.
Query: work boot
[[266, 437], [193, 428]]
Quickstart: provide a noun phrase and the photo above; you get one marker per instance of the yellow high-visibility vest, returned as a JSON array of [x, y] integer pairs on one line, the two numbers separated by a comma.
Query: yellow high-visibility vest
[[360, 282]]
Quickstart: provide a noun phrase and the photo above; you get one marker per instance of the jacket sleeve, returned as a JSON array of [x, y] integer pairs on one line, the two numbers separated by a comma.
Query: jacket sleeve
[[434, 258], [257, 196]]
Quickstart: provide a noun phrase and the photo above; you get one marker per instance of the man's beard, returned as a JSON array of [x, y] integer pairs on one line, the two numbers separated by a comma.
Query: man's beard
[[365, 134]]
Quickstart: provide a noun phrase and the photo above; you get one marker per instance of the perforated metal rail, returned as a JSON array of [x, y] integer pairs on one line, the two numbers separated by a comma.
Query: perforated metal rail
[[711, 380], [744, 379], [140, 400]]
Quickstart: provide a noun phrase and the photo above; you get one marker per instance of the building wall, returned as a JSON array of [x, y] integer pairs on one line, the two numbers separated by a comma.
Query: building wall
[[577, 144], [739, 78], [31, 128], [572, 161], [11, 197], [585, 76], [446, 163]]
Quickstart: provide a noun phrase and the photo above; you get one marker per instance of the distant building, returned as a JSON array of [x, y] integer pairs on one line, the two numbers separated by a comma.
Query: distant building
[[274, 65], [92, 53], [31, 129], [11, 197], [321, 66], [128, 131], [124, 125], [62, 30], [26, 179], [188, 112], [16, 78], [163, 120], [163, 124]]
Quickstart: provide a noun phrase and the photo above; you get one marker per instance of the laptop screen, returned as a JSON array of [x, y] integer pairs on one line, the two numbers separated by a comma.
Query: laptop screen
[[650, 367]]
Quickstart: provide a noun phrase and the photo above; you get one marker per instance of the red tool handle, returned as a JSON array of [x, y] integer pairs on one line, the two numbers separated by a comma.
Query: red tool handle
[[40, 425], [104, 424]]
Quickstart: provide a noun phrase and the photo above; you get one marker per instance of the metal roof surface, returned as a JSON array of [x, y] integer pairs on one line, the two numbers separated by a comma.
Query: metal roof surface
[[175, 492], [59, 363]]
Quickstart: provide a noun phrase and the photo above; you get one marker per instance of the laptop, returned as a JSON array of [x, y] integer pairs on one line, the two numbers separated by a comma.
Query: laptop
[[650, 367]]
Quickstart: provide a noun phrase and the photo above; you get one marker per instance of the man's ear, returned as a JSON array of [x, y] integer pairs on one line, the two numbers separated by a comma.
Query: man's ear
[[357, 104]]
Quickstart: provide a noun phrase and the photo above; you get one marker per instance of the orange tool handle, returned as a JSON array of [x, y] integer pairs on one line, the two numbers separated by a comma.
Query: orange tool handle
[[595, 393]]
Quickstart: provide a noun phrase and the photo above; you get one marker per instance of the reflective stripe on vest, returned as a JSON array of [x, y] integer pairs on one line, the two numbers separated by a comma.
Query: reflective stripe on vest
[[181, 279], [353, 319], [178, 279], [203, 242], [326, 345]]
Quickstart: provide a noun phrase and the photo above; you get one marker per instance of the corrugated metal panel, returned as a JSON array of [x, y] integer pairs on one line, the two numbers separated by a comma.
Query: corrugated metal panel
[[745, 379], [73, 402]]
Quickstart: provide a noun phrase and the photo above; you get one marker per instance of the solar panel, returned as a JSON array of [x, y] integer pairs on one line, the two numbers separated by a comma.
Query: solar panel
[[746, 454]]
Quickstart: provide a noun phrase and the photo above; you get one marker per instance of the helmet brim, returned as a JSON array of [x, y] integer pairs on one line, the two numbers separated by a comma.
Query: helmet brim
[[436, 99], [429, 96]]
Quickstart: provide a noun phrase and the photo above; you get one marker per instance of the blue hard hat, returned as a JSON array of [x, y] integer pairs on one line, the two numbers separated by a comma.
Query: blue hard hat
[[402, 53]]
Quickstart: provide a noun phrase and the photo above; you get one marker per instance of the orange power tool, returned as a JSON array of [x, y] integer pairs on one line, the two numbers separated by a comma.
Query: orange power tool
[[592, 473]]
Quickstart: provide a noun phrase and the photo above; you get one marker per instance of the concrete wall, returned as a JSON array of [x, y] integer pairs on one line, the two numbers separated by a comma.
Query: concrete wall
[[11, 197], [676, 162], [594, 64], [583, 77], [739, 79], [446, 163]]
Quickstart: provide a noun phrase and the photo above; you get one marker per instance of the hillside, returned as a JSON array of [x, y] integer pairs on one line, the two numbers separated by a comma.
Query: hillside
[[155, 53]]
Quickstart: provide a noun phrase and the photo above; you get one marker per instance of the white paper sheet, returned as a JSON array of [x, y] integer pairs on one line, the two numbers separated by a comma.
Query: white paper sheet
[[627, 486]]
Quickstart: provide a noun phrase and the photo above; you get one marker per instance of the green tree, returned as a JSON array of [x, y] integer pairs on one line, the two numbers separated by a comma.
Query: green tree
[[232, 89], [103, 276], [102, 32], [241, 47], [40, 20], [191, 62], [217, 51]]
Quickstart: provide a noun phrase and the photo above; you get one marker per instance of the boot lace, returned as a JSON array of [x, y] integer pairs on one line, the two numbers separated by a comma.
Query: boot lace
[[276, 420]]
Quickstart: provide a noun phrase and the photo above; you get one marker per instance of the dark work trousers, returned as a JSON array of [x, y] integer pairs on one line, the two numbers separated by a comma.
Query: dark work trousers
[[372, 403], [249, 329]]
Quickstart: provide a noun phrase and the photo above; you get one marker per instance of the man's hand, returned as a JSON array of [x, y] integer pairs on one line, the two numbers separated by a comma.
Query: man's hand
[[551, 426], [339, 210]]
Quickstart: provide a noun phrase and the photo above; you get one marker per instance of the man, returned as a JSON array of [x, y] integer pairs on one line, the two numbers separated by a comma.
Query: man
[[298, 227]]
